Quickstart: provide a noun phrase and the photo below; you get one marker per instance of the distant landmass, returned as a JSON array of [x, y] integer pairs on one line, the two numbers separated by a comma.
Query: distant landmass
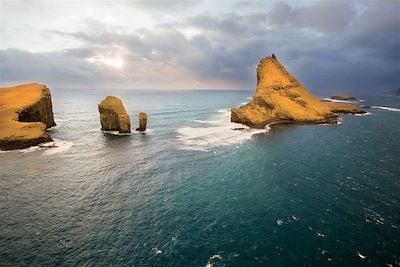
[[395, 92]]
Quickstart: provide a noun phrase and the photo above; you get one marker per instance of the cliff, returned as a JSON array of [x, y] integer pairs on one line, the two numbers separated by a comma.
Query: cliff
[[280, 97], [25, 113], [113, 116]]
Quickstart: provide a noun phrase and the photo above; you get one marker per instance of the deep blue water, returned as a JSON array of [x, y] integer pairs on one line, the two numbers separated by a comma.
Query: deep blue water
[[192, 192]]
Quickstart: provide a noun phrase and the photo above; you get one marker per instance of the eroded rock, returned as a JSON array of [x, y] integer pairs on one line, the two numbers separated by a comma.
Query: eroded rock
[[142, 122], [113, 116]]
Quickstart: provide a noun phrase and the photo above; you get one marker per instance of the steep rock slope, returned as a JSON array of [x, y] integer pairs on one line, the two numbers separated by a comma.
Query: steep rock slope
[[280, 97]]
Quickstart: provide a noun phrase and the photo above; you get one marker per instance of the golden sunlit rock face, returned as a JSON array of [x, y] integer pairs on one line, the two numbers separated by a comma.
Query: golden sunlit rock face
[[113, 116], [25, 114], [280, 97]]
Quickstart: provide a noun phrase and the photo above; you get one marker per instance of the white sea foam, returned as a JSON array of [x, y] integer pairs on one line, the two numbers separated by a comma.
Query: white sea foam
[[57, 146], [28, 150], [115, 133], [157, 251], [222, 132], [360, 255], [213, 259], [340, 101], [222, 110], [49, 148], [386, 108], [208, 121], [364, 114]]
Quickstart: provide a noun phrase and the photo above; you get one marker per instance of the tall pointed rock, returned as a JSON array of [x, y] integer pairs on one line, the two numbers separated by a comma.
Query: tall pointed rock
[[280, 97]]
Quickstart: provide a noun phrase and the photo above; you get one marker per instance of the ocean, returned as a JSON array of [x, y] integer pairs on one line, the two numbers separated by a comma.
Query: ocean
[[193, 192]]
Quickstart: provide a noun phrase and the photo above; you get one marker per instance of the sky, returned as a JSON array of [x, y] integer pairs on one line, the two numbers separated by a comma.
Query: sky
[[330, 46]]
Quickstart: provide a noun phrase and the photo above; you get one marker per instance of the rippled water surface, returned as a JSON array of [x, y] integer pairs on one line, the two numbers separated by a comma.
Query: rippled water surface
[[194, 192]]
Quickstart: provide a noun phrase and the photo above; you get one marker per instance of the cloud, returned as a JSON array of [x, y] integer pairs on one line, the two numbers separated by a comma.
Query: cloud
[[324, 16], [328, 45]]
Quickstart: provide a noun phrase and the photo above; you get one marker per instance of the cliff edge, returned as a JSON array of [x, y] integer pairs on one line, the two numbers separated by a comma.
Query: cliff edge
[[280, 97], [26, 112]]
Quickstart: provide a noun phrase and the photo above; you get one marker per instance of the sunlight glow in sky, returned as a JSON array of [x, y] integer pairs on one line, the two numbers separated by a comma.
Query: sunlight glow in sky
[[166, 44], [113, 61]]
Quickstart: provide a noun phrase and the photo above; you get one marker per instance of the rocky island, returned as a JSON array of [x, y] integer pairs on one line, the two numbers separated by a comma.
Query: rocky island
[[281, 98], [344, 97], [113, 116], [25, 113], [142, 122]]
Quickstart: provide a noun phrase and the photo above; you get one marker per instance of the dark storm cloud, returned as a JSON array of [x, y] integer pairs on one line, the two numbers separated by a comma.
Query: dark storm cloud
[[325, 16], [329, 45]]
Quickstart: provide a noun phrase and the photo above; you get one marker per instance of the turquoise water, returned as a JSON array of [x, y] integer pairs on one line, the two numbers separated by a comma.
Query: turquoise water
[[192, 192]]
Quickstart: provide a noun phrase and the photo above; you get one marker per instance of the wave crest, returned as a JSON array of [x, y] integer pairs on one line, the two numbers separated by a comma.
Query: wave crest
[[221, 133]]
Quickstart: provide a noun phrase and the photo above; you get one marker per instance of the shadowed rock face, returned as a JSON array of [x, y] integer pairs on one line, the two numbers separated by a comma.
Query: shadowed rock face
[[25, 114], [142, 122], [280, 97], [113, 116]]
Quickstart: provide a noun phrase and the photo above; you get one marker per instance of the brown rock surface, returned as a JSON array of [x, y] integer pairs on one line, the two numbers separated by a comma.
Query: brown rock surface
[[113, 116], [280, 97], [25, 113], [142, 122]]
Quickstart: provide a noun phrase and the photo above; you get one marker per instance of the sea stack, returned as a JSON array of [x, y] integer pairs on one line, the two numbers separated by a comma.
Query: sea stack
[[344, 97], [281, 98], [142, 122], [113, 116], [26, 112]]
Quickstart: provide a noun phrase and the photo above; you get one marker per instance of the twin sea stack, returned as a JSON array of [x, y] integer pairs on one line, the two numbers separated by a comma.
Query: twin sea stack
[[281, 98], [113, 116], [25, 113]]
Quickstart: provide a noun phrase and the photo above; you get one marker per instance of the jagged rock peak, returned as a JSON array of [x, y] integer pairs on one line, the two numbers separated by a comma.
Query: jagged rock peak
[[280, 97]]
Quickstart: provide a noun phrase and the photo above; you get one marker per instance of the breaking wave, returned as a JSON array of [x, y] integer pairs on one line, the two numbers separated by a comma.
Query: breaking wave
[[341, 101], [49, 148], [386, 108], [364, 114], [57, 146], [220, 132]]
